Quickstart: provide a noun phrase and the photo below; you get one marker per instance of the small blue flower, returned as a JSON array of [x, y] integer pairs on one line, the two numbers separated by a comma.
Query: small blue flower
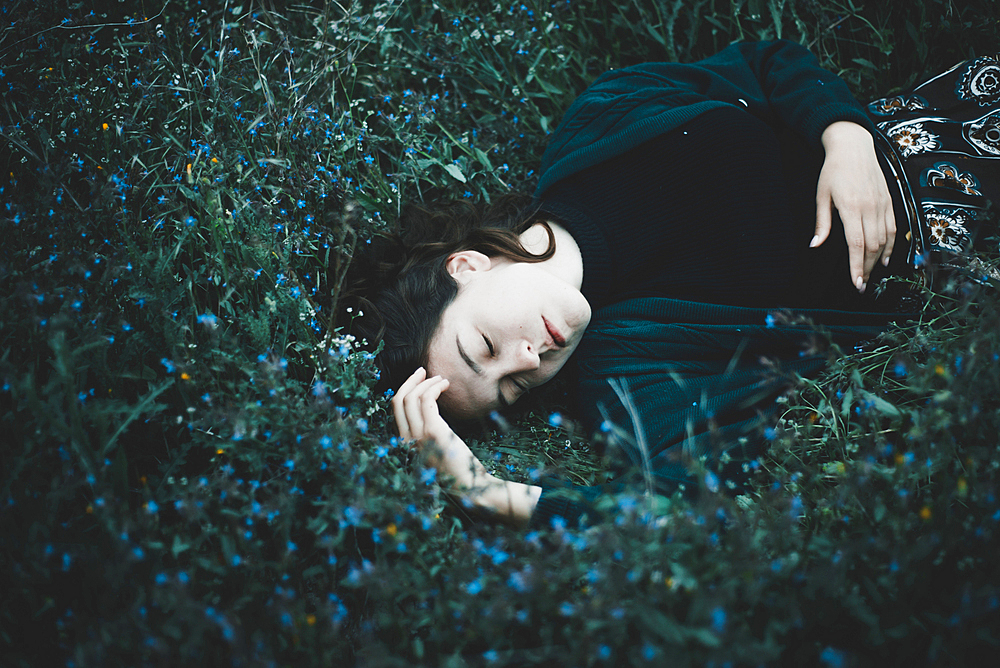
[[719, 620], [833, 657], [711, 482]]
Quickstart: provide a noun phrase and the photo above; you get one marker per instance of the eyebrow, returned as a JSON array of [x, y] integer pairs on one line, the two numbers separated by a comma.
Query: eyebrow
[[468, 360]]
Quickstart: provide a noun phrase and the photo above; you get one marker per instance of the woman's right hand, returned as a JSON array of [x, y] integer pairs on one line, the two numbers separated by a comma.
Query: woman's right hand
[[419, 420]]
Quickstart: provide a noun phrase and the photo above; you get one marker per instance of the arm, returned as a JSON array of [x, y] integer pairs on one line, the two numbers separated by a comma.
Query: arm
[[418, 418], [852, 182]]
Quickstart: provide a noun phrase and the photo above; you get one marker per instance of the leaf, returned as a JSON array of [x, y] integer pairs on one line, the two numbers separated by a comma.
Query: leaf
[[663, 626], [178, 546], [483, 159], [455, 171]]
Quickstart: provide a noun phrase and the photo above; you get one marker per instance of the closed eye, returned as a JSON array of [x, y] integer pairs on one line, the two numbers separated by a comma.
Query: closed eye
[[489, 346]]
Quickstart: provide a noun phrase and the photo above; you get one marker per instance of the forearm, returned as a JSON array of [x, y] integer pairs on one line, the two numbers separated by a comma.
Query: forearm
[[511, 502]]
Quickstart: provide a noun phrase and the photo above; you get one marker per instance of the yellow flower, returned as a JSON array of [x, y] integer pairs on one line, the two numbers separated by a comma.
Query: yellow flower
[[219, 451], [311, 620], [105, 126], [925, 513], [185, 376], [90, 509], [215, 159], [391, 530], [939, 369]]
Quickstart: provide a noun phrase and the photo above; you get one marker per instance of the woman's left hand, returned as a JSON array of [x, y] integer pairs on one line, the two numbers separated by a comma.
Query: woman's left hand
[[852, 182]]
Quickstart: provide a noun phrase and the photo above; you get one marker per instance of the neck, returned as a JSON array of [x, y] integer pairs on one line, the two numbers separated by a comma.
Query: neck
[[566, 262]]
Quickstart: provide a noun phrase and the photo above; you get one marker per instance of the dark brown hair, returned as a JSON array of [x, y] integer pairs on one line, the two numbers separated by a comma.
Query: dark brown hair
[[401, 282]]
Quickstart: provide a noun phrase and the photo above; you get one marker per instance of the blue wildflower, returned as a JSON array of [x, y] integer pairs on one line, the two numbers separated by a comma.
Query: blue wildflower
[[833, 657], [719, 619]]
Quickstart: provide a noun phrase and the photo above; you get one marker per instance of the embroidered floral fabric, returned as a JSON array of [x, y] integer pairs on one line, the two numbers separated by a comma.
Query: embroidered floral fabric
[[942, 142]]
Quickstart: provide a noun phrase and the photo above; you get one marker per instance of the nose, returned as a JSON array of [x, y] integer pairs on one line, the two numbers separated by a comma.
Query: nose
[[525, 357]]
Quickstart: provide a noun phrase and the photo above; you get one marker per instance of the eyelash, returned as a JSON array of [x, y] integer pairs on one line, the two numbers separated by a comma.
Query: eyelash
[[517, 384]]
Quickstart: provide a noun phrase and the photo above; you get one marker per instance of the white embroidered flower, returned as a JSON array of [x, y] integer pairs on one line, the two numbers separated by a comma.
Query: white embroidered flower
[[912, 138], [946, 228]]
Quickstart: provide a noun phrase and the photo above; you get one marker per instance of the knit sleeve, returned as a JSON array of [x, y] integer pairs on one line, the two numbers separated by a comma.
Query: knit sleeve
[[565, 504], [802, 95], [780, 82]]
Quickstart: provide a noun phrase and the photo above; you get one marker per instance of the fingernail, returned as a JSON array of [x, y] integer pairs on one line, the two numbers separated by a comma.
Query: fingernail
[[814, 242], [885, 262], [859, 284]]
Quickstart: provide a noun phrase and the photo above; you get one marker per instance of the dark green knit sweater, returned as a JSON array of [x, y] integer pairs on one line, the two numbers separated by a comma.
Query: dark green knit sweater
[[691, 192]]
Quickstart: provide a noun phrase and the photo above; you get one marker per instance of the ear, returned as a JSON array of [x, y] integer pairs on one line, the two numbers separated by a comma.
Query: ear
[[464, 264]]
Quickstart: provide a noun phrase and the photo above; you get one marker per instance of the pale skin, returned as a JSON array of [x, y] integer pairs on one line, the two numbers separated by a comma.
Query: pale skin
[[850, 181]]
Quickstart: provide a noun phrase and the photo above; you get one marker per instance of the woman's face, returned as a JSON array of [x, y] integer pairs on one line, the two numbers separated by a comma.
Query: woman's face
[[510, 328]]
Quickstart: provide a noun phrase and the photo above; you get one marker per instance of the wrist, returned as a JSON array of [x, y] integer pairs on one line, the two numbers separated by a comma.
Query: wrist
[[512, 502], [841, 133]]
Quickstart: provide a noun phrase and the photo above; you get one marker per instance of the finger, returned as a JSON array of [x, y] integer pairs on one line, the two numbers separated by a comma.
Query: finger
[[890, 231], [437, 429], [823, 219], [854, 234], [413, 407], [875, 240], [398, 408]]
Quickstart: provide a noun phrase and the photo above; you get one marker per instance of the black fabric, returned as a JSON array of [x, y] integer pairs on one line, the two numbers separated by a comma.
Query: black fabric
[[694, 224], [720, 210]]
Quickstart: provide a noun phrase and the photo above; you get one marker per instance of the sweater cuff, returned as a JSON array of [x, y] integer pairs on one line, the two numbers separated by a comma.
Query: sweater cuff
[[563, 504], [823, 116]]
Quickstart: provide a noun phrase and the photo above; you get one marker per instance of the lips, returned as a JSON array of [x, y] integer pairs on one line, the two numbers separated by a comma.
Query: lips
[[557, 338]]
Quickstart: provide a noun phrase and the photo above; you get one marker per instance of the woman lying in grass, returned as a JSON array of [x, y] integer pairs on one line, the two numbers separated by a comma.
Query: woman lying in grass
[[679, 208]]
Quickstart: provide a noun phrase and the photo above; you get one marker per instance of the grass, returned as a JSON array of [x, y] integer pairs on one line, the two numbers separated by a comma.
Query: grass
[[195, 468]]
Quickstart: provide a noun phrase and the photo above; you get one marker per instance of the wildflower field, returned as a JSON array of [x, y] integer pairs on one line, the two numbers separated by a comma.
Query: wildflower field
[[195, 470]]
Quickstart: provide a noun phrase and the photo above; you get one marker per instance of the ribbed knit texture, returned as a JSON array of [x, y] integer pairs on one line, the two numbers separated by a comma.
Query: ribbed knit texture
[[779, 82], [682, 228]]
